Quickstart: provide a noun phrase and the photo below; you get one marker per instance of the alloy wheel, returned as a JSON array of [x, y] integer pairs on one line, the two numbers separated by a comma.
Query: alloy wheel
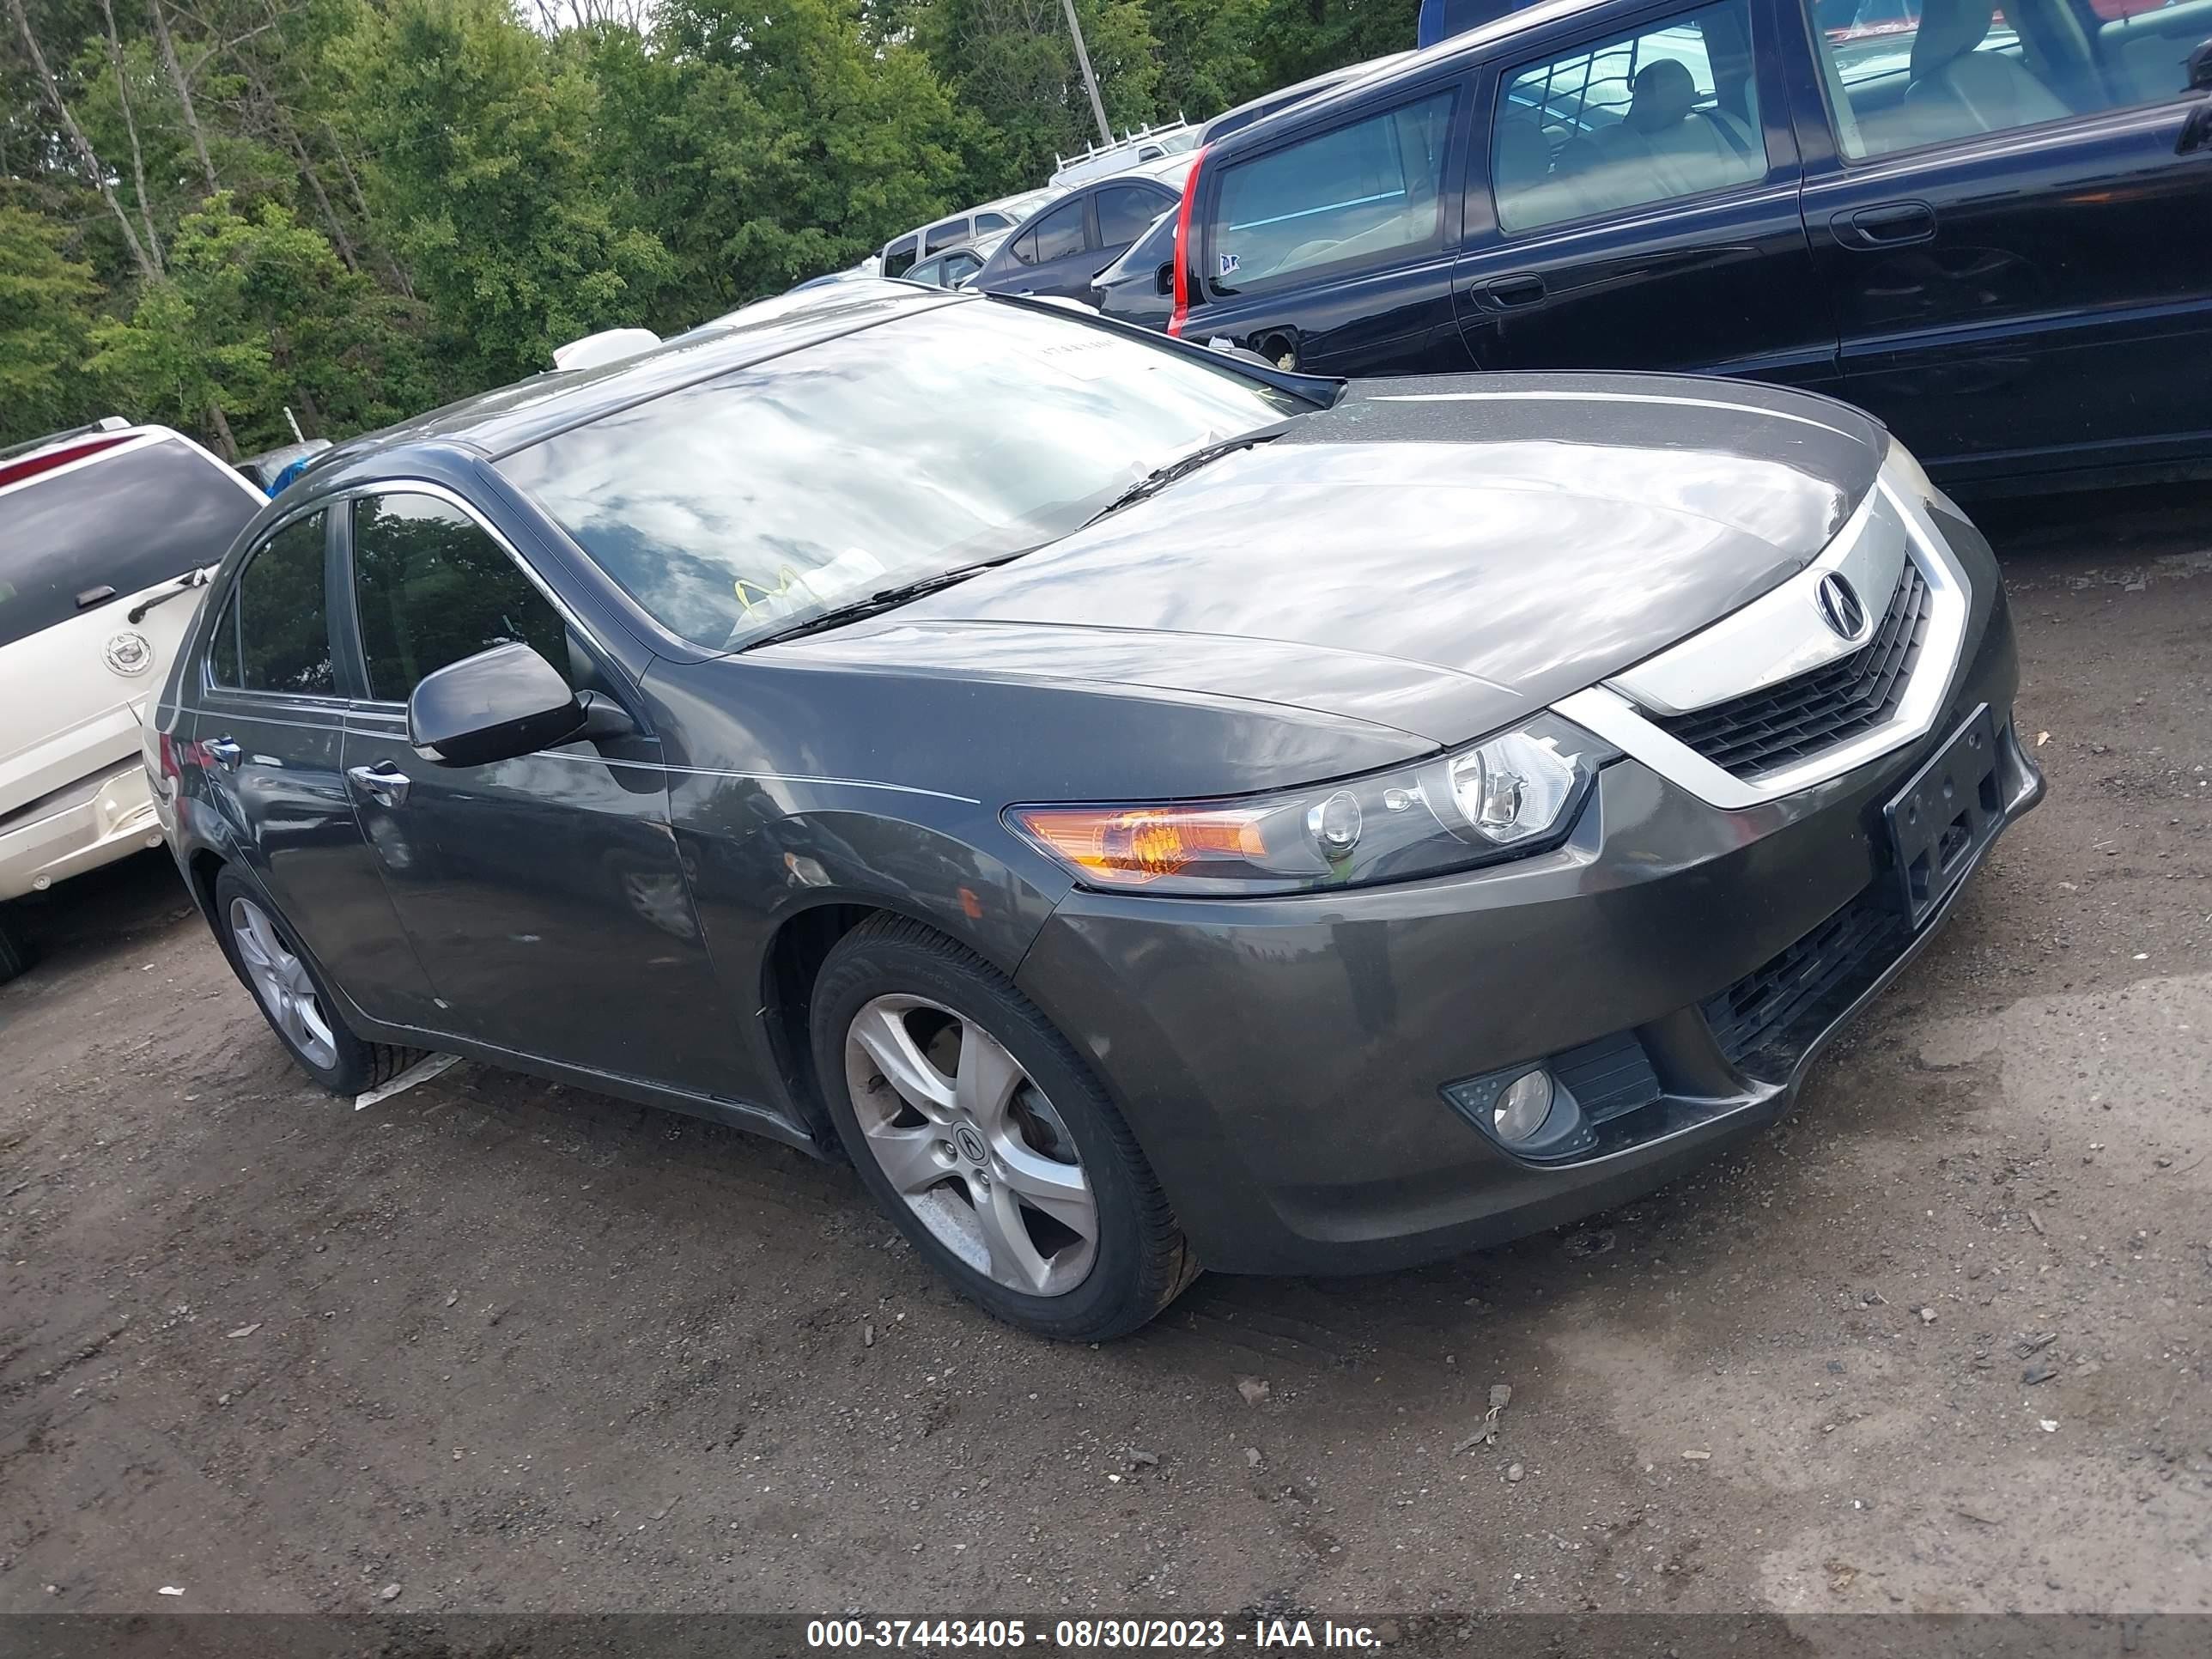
[[280, 980], [971, 1144]]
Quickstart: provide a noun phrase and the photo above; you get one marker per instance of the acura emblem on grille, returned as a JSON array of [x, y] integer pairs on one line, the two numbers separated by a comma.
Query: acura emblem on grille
[[1837, 602]]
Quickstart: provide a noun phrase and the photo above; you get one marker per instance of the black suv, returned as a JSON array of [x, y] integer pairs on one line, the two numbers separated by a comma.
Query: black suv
[[1972, 224]]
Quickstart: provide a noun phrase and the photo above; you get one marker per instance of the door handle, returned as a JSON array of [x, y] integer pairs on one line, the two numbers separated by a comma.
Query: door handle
[[225, 752], [1892, 224], [1508, 293], [384, 783]]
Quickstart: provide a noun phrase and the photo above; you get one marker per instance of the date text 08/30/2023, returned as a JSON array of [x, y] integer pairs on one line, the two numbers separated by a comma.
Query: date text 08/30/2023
[[1079, 1635]]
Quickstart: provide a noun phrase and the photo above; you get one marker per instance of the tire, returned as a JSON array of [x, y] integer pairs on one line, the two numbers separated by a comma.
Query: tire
[[324, 1046], [15, 954], [1003, 1176]]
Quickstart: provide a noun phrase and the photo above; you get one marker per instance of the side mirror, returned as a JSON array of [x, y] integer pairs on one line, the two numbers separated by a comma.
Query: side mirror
[[2200, 68], [494, 705], [1163, 278]]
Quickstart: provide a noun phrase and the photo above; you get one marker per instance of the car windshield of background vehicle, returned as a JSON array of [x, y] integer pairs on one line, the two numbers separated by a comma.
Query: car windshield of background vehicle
[[1670, 111], [1898, 76], [733, 509], [129, 521], [1365, 191]]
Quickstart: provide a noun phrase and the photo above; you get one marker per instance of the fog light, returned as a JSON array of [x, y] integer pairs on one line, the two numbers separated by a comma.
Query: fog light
[[1522, 1106]]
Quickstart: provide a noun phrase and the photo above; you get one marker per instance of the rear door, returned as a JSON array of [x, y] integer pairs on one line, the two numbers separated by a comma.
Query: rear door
[[545, 894], [1636, 205], [86, 534], [270, 721], [2012, 214], [1330, 248]]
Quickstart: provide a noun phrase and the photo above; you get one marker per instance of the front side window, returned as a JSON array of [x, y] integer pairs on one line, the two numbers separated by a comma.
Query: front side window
[[1364, 192], [1671, 111], [1055, 236], [1898, 74], [958, 268], [898, 258], [989, 221], [726, 514], [283, 624], [434, 588]]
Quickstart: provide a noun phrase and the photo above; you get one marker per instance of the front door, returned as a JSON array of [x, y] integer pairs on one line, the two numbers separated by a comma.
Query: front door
[[1639, 209], [545, 894], [2011, 212], [1053, 256], [271, 721], [1331, 251]]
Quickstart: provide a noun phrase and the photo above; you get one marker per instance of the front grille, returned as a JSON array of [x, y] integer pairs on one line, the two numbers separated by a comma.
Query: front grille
[[1773, 1012], [1766, 730], [1609, 1077]]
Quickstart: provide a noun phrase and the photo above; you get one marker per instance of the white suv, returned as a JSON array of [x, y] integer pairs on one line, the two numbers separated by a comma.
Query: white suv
[[100, 529]]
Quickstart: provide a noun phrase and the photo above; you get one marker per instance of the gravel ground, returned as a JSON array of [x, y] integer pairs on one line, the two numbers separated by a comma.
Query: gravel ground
[[1938, 1341]]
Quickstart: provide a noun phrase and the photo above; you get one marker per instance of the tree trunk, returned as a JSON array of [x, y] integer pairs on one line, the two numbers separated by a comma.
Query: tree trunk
[[131, 126], [289, 136], [147, 268], [228, 444], [184, 90], [392, 266]]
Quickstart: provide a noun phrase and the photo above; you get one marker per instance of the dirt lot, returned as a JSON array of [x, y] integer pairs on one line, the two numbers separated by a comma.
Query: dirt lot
[[506, 1346]]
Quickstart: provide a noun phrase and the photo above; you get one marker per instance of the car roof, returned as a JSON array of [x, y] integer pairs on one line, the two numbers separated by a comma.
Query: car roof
[[499, 422], [1407, 66]]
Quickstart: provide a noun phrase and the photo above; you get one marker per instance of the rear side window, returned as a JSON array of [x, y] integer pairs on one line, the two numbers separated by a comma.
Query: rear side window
[[1670, 111], [434, 587], [1124, 211], [937, 237], [283, 625], [985, 221], [898, 258], [127, 522], [1361, 192]]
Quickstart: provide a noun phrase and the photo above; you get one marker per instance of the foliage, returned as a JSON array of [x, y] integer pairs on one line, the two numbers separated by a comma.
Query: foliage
[[356, 209]]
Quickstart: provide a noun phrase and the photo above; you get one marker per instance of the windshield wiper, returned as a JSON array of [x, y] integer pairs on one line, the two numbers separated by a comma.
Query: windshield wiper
[[185, 583], [1183, 466], [883, 599]]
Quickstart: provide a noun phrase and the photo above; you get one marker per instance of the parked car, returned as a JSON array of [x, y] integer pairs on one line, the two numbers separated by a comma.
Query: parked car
[[1972, 230], [1159, 810], [1139, 287], [1061, 249], [1236, 119], [1126, 153], [100, 529], [899, 255], [272, 469], [953, 267]]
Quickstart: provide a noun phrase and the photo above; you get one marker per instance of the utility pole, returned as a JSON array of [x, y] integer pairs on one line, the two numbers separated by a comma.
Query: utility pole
[[1089, 81]]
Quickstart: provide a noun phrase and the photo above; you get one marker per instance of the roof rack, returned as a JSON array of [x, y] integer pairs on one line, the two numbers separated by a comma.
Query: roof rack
[[105, 424], [1129, 140]]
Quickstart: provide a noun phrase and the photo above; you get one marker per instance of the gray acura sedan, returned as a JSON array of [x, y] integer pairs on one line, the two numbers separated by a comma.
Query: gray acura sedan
[[1156, 810]]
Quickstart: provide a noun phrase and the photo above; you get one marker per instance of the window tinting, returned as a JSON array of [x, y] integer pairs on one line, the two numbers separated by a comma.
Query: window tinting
[[1898, 77], [223, 647], [726, 514], [1670, 111], [937, 237], [434, 588], [898, 258], [992, 221], [284, 626], [1056, 235], [1360, 192], [1124, 211], [129, 521]]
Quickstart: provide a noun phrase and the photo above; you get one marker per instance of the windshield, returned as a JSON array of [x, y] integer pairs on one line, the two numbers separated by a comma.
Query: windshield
[[1148, 253], [733, 509]]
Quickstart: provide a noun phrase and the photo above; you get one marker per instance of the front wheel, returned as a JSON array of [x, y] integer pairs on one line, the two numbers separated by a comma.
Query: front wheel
[[15, 949], [986, 1138]]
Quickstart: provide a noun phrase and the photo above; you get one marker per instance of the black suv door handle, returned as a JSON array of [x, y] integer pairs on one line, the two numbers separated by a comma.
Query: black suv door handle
[[1504, 292], [384, 783], [225, 752], [1892, 224]]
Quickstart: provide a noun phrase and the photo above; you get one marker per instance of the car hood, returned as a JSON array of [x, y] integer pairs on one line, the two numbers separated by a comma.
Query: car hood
[[1440, 555]]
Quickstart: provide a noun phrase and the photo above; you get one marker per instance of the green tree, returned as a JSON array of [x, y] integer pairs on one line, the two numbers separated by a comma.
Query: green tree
[[45, 328]]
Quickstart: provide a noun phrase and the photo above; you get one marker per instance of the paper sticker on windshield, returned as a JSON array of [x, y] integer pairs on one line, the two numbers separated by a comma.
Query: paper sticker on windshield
[[1229, 263]]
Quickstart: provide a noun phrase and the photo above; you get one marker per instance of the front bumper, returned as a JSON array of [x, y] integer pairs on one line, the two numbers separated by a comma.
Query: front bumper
[[105, 817], [1280, 1061]]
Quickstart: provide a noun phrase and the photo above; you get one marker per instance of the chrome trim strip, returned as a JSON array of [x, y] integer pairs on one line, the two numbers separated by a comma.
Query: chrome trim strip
[[1606, 713], [1779, 634], [1657, 397]]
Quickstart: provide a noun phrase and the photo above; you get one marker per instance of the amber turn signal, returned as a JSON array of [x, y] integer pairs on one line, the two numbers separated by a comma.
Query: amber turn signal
[[1128, 847]]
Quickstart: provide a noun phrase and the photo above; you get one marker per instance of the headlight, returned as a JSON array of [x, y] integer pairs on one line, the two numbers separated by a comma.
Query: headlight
[[1508, 796]]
